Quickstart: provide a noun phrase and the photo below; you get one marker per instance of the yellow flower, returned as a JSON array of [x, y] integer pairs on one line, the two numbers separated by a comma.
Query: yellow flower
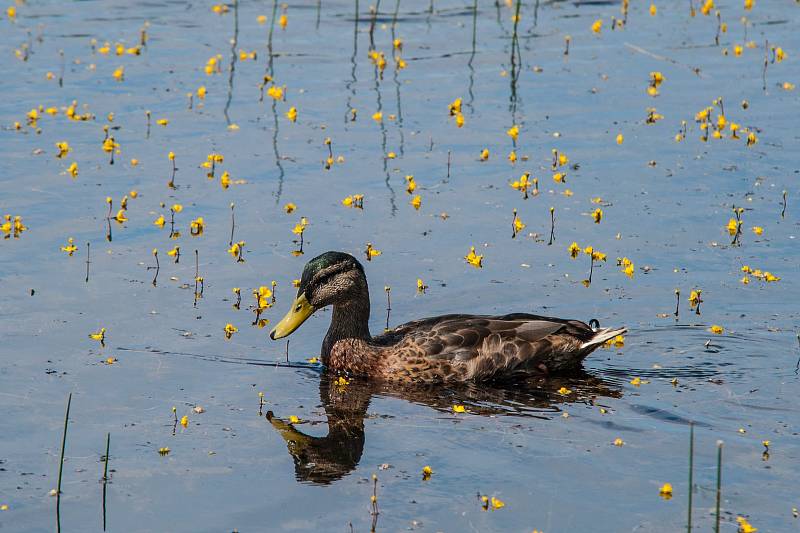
[[184, 421], [564, 391], [293, 419], [427, 471], [620, 138], [99, 336], [416, 202], [473, 258], [513, 132], [744, 525], [787, 86], [120, 216], [497, 503], [459, 120], [292, 114], [70, 248], [653, 10], [225, 179], [177, 208], [283, 21], [751, 139], [748, 4], [455, 107], [716, 330], [377, 116], [484, 154], [347, 202], [119, 73], [372, 252], [73, 170], [780, 55], [411, 185], [201, 92], [737, 50], [619, 442], [459, 408], [518, 224], [574, 250], [12, 13], [559, 177], [694, 297], [159, 221], [197, 226], [665, 491], [163, 451], [597, 25], [174, 252], [289, 207], [162, 122], [597, 215], [758, 230], [512, 156], [275, 92], [707, 7], [63, 149], [636, 381], [733, 226], [229, 330]]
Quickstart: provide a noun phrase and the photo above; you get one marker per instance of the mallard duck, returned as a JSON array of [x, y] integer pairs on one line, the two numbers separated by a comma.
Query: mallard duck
[[446, 348]]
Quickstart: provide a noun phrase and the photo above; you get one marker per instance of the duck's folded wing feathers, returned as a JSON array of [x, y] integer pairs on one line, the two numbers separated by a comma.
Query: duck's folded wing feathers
[[490, 345]]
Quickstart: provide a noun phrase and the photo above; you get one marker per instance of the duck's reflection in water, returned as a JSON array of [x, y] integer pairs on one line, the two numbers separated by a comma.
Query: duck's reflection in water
[[323, 460]]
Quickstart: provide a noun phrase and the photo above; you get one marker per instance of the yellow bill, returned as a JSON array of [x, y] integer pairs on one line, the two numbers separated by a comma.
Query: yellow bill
[[299, 313]]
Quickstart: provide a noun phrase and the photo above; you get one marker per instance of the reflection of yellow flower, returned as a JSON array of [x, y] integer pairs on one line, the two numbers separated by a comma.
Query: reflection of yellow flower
[[717, 330], [459, 408], [230, 329], [564, 391], [665, 491], [597, 25]]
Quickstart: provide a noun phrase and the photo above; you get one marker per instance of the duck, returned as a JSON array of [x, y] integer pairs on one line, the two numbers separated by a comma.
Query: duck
[[442, 349]]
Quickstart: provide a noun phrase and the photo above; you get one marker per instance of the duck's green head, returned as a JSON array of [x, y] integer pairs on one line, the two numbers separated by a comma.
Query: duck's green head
[[327, 279]]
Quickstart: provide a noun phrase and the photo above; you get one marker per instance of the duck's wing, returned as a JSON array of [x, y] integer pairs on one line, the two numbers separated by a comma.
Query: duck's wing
[[490, 347]]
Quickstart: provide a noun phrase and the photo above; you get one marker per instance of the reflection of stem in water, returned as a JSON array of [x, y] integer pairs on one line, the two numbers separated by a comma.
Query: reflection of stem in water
[[61, 466], [233, 223], [157, 268], [388, 304], [516, 64], [553, 229], [147, 114], [232, 70], [61, 72], [109, 237], [374, 499], [383, 144], [397, 82], [271, 30], [87, 261], [783, 211], [677, 302], [691, 474], [766, 62], [374, 10], [448, 164], [351, 85], [536, 14], [105, 477], [319, 11], [278, 163], [472, 55], [287, 350]]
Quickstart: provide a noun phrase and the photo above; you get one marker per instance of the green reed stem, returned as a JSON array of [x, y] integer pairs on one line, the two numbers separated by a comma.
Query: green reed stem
[[108, 446], [691, 473], [63, 445], [719, 485]]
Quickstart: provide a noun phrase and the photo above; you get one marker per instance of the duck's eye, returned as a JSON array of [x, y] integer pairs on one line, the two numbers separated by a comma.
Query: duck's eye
[[297, 309]]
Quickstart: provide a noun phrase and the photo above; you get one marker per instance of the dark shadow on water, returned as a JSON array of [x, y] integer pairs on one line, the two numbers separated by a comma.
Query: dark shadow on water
[[324, 460]]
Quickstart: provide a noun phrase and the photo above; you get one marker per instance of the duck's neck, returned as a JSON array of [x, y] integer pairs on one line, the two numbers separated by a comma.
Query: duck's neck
[[350, 320]]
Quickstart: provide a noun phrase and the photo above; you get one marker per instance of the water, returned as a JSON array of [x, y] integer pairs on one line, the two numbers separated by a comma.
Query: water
[[229, 468]]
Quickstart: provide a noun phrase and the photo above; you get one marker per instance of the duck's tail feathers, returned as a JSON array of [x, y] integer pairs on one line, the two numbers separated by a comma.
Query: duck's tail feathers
[[601, 336]]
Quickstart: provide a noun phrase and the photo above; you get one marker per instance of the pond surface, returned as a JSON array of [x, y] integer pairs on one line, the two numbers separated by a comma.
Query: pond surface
[[549, 456]]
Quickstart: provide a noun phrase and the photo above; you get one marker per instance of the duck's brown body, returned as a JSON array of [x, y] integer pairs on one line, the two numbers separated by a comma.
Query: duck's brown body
[[465, 348], [432, 350]]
